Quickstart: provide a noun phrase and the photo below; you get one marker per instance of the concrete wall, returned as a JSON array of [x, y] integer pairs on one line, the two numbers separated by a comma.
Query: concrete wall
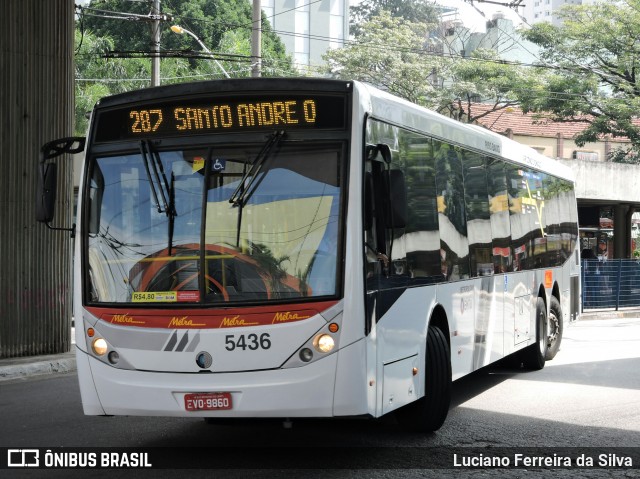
[[565, 148], [606, 181], [598, 180], [36, 105]]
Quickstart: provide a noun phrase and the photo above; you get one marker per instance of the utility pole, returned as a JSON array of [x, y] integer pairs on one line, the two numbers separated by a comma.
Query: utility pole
[[155, 44], [256, 39]]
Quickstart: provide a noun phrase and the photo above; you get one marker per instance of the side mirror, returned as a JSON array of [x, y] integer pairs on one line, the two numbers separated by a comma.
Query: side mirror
[[47, 179], [46, 192]]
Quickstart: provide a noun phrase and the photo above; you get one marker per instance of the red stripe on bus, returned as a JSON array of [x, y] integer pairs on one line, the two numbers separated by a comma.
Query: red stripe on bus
[[208, 319]]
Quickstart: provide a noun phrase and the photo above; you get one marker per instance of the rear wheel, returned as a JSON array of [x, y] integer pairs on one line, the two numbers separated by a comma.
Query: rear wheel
[[554, 331], [428, 413], [533, 357]]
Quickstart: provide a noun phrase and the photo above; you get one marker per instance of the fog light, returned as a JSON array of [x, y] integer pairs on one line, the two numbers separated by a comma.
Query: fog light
[[324, 343], [99, 346], [204, 360], [306, 355], [114, 357]]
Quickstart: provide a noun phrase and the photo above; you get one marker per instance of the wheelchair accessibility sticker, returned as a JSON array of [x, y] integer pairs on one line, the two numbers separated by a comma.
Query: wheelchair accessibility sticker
[[218, 165]]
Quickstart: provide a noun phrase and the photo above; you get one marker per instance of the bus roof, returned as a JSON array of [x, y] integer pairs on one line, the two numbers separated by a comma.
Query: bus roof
[[230, 85]]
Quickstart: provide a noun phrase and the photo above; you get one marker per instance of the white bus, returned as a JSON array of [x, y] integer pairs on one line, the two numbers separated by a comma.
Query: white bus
[[307, 248]]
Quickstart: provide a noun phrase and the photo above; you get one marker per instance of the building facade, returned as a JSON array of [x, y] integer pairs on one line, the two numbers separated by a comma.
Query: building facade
[[309, 29], [536, 11], [499, 33]]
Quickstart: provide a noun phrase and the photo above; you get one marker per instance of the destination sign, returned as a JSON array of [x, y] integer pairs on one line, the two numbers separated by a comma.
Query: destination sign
[[200, 116]]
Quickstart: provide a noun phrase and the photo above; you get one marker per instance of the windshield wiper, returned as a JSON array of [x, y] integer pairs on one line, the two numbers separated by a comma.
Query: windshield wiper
[[145, 161], [167, 192], [172, 211], [148, 154], [243, 192]]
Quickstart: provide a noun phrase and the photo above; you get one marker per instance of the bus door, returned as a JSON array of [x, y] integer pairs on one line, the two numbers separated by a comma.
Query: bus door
[[385, 218], [387, 280]]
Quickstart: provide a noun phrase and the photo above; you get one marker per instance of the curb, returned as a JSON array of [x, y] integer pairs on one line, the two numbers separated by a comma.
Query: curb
[[591, 315], [18, 368]]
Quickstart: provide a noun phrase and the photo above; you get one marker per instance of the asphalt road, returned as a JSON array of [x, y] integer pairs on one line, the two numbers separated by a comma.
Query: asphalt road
[[586, 399]]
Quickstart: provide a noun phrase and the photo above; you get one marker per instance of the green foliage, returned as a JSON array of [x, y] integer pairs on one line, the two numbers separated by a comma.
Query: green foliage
[[210, 20], [630, 156], [483, 77], [596, 56], [97, 76], [224, 26], [390, 53], [401, 69], [414, 11]]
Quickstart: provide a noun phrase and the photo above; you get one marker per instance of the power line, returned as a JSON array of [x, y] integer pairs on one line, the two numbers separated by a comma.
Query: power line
[[228, 57]]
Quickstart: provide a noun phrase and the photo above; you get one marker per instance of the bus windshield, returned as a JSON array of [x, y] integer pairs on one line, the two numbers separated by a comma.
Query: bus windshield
[[215, 224]]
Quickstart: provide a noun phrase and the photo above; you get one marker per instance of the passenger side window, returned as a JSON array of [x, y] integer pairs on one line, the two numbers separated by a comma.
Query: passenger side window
[[454, 244], [499, 211], [476, 198]]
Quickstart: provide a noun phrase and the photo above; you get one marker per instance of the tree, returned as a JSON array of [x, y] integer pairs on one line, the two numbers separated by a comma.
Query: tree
[[210, 20], [97, 76], [594, 59], [483, 77], [414, 11], [223, 25], [389, 53], [399, 56]]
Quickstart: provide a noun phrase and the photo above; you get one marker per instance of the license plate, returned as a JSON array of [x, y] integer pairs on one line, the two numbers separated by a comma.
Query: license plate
[[208, 401]]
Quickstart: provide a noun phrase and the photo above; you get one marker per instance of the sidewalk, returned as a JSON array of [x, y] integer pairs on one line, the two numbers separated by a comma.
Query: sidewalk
[[609, 314], [23, 367], [16, 368]]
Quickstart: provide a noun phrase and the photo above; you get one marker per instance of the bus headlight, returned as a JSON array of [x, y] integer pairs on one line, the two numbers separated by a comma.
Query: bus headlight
[[324, 343], [99, 346]]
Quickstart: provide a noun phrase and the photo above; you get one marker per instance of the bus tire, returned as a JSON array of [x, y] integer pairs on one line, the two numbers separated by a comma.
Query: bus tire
[[554, 332], [533, 357], [428, 413]]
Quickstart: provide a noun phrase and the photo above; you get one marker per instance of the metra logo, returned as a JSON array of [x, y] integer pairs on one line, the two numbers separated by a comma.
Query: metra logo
[[182, 322], [284, 316], [124, 319], [235, 321]]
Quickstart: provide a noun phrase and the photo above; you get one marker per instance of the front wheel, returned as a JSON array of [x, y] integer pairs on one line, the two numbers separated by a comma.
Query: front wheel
[[428, 413]]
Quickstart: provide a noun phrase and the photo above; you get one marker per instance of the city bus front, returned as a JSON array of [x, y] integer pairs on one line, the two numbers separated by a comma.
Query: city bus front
[[212, 254]]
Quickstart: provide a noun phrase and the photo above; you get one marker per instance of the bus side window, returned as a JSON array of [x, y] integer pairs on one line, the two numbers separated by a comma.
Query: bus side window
[[454, 243], [478, 216], [499, 210]]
